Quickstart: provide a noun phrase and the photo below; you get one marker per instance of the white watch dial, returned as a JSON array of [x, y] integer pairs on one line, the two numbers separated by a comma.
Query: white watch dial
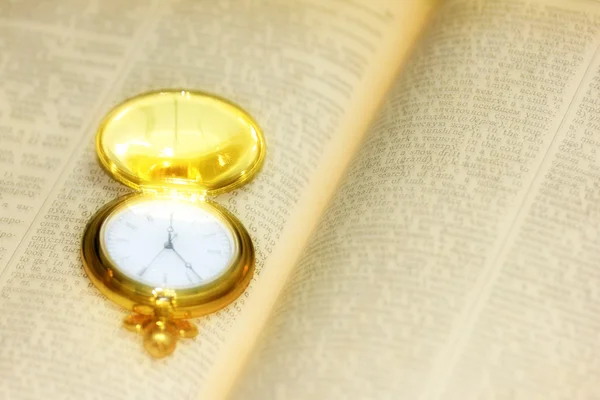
[[168, 243]]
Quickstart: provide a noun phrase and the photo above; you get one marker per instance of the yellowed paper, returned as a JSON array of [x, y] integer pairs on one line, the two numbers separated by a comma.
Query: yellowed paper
[[458, 257], [311, 73]]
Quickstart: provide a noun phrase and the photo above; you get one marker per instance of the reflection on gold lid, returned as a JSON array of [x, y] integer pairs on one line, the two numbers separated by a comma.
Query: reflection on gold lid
[[187, 140]]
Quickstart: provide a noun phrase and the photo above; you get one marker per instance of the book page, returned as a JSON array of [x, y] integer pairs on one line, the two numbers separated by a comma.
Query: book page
[[311, 74], [458, 257]]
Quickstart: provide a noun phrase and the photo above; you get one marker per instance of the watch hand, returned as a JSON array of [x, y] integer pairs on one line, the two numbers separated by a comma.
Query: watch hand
[[187, 264], [143, 271], [170, 230], [169, 242], [179, 255]]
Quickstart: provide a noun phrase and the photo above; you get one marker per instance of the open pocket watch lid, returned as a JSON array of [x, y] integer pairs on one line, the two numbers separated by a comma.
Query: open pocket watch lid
[[179, 139]]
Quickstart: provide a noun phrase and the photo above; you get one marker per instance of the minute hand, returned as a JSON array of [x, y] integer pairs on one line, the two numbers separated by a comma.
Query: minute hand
[[187, 264]]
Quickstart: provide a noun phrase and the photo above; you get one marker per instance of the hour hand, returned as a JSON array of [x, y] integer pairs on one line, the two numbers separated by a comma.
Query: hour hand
[[169, 242], [170, 228]]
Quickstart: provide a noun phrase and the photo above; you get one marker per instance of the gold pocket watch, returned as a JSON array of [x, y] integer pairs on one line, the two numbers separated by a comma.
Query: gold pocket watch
[[167, 252]]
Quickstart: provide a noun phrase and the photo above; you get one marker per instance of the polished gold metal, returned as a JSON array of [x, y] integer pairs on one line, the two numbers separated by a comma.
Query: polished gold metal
[[182, 140], [183, 145]]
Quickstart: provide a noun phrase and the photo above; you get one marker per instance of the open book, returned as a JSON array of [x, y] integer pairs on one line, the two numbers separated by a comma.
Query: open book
[[427, 220]]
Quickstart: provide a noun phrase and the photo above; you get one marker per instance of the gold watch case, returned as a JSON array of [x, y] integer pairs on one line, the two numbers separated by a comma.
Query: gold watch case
[[183, 145]]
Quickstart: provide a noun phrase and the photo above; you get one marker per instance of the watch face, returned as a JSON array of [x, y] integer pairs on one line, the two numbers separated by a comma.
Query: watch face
[[167, 243]]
